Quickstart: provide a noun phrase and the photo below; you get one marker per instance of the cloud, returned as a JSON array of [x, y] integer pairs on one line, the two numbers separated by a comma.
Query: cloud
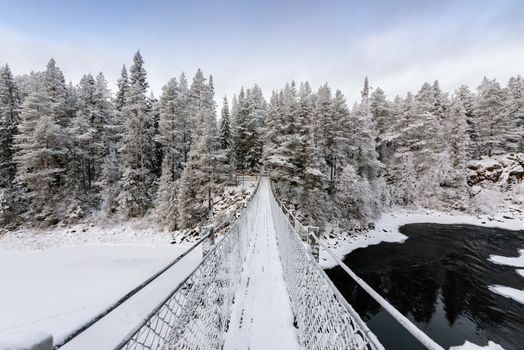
[[397, 54]]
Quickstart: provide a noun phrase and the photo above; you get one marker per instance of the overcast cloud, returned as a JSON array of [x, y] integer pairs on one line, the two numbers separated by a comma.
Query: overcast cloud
[[398, 44]]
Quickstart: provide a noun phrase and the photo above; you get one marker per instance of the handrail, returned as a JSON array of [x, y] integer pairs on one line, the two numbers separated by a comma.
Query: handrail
[[184, 285], [397, 315], [325, 319], [128, 295], [75, 333]]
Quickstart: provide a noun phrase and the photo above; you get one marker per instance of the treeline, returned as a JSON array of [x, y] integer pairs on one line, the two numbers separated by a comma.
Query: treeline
[[68, 151], [341, 166]]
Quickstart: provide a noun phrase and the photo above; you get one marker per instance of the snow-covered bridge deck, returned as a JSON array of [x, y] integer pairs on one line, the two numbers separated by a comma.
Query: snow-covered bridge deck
[[262, 317]]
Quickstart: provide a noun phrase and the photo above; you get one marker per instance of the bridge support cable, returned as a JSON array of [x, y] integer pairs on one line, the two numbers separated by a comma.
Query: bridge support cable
[[286, 217], [196, 314]]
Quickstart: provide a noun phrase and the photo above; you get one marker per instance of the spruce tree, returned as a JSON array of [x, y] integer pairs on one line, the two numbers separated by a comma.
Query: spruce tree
[[225, 129], [136, 146], [40, 151], [9, 119], [199, 177], [168, 137]]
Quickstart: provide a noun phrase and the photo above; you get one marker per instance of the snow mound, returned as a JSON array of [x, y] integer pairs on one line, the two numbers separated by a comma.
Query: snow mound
[[25, 340], [471, 346]]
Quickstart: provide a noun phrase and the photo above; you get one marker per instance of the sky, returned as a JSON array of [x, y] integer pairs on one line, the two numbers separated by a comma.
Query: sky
[[398, 44]]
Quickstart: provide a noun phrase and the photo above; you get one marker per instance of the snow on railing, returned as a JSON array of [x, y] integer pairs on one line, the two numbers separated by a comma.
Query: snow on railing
[[290, 238], [196, 314], [324, 318]]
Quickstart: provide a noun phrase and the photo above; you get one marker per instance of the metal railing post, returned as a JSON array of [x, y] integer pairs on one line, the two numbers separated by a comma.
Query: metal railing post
[[315, 249], [210, 242]]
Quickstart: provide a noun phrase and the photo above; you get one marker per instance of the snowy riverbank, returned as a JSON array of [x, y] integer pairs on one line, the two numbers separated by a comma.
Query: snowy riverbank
[[386, 229]]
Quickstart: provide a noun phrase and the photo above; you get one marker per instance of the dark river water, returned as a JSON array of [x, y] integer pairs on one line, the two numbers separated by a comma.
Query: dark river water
[[439, 279]]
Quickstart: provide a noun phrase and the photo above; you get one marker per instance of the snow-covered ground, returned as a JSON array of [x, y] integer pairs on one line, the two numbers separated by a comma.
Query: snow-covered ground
[[54, 280], [59, 289]]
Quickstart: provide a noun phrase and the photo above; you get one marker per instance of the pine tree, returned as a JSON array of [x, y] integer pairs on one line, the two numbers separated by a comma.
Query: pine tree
[[241, 133], [381, 112], [514, 115], [9, 119], [56, 89], [452, 180], [489, 114], [314, 201], [199, 177], [40, 149], [108, 175], [272, 135], [225, 129], [122, 90], [353, 209], [136, 147], [168, 139], [185, 125], [466, 98]]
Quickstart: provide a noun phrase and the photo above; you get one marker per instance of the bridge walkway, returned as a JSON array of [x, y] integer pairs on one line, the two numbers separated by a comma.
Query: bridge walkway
[[261, 316]]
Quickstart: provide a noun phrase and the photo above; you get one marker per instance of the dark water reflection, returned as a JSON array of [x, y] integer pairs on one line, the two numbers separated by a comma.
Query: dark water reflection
[[439, 279]]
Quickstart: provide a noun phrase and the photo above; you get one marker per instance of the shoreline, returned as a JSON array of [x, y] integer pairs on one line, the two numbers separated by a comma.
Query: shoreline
[[387, 225]]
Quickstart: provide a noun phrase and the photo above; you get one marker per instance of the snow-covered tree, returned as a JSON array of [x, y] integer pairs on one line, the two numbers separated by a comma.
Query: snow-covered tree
[[199, 177], [168, 137], [9, 119], [108, 173], [136, 146], [40, 154], [490, 115], [514, 116], [225, 127]]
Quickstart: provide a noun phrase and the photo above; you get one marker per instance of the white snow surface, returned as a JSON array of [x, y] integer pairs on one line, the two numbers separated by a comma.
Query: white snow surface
[[57, 290], [510, 261], [386, 229], [471, 346], [509, 292], [56, 279], [20, 340], [262, 317], [138, 231]]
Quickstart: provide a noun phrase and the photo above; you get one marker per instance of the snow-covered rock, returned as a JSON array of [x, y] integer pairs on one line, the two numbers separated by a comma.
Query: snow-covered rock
[[503, 170]]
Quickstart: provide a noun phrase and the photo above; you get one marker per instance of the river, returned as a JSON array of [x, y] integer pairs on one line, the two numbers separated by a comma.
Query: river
[[439, 279]]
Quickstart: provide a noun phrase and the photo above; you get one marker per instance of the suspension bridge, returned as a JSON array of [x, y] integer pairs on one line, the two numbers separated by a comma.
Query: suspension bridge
[[258, 286]]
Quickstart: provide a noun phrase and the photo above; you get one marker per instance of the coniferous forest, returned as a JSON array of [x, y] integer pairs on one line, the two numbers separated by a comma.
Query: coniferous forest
[[69, 151]]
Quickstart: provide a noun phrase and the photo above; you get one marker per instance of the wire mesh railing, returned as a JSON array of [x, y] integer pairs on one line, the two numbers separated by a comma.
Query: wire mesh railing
[[294, 234], [196, 314], [324, 318]]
